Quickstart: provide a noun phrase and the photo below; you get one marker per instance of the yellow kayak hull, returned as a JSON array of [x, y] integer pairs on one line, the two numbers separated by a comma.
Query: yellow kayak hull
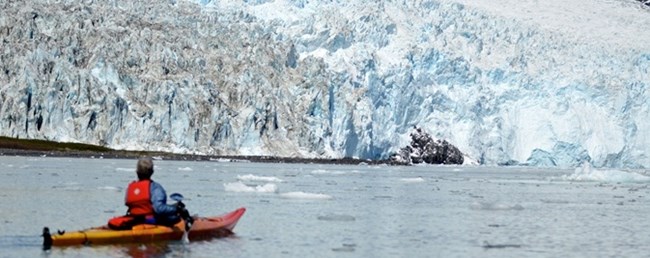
[[203, 228]]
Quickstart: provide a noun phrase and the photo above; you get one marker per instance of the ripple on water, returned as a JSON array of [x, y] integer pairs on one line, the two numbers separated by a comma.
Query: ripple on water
[[336, 217], [345, 248], [494, 206]]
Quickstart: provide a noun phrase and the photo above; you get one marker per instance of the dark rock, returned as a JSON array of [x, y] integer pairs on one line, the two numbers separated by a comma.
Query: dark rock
[[424, 149]]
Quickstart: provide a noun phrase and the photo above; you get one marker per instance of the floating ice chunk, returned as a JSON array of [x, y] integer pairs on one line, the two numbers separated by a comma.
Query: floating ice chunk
[[222, 160], [332, 172], [495, 206], [110, 188], [303, 195], [251, 177], [320, 172], [587, 173], [69, 186], [412, 180], [240, 187]]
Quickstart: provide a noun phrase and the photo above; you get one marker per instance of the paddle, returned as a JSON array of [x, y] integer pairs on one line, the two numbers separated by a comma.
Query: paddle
[[185, 215], [47, 239]]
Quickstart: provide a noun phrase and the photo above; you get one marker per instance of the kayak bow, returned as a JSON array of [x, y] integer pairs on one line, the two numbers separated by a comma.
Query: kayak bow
[[203, 228]]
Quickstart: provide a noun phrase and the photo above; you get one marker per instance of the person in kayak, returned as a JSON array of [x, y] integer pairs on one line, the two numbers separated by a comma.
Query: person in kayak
[[147, 201], [147, 198]]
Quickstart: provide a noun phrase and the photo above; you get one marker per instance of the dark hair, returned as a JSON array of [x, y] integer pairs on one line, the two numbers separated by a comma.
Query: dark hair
[[145, 168]]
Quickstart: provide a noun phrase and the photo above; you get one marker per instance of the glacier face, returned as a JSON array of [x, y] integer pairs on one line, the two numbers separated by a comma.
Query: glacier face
[[332, 78]]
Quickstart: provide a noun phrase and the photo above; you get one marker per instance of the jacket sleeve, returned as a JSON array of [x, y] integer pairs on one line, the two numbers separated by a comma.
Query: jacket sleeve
[[159, 200]]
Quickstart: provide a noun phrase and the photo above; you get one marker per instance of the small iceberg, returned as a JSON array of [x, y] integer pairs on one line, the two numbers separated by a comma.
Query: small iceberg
[[240, 187], [412, 180], [306, 196], [110, 188], [251, 177], [495, 206], [327, 172], [587, 173]]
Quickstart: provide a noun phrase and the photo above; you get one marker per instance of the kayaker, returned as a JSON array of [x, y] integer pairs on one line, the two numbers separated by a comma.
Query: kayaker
[[147, 198], [147, 202]]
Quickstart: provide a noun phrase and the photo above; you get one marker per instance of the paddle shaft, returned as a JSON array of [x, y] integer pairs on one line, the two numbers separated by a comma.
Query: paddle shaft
[[185, 215]]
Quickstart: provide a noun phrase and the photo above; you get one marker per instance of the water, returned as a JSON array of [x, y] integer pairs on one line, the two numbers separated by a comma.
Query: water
[[308, 210]]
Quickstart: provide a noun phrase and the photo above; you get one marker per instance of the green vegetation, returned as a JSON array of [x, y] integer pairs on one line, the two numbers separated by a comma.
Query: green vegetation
[[15, 146], [43, 145]]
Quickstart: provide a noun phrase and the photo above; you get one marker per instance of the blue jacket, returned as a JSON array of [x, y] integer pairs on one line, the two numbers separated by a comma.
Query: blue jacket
[[165, 213]]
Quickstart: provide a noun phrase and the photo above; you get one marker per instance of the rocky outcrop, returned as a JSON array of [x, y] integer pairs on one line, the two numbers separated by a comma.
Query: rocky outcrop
[[644, 2], [424, 149]]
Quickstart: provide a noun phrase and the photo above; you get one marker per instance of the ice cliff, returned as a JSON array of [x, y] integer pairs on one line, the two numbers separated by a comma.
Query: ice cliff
[[549, 83]]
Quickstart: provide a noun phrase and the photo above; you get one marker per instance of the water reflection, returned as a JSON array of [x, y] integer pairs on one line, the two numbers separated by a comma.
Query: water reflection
[[146, 250], [158, 249]]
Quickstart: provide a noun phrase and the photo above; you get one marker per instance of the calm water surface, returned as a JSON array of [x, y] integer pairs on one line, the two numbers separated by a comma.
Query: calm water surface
[[307, 210]]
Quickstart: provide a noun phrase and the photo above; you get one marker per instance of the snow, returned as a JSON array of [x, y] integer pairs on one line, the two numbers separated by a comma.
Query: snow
[[545, 83]]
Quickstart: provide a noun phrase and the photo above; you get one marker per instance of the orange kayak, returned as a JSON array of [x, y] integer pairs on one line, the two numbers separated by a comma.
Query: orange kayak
[[203, 228]]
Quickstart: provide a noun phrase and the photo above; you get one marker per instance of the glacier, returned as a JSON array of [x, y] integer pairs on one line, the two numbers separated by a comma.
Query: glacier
[[544, 83]]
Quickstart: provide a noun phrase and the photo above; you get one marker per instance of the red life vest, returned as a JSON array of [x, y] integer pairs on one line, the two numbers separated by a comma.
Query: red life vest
[[138, 198]]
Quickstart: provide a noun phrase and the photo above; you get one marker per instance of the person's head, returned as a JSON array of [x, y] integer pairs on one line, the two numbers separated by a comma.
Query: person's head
[[145, 168]]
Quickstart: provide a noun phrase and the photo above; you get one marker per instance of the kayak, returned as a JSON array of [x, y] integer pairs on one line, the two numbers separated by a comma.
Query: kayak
[[202, 228]]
